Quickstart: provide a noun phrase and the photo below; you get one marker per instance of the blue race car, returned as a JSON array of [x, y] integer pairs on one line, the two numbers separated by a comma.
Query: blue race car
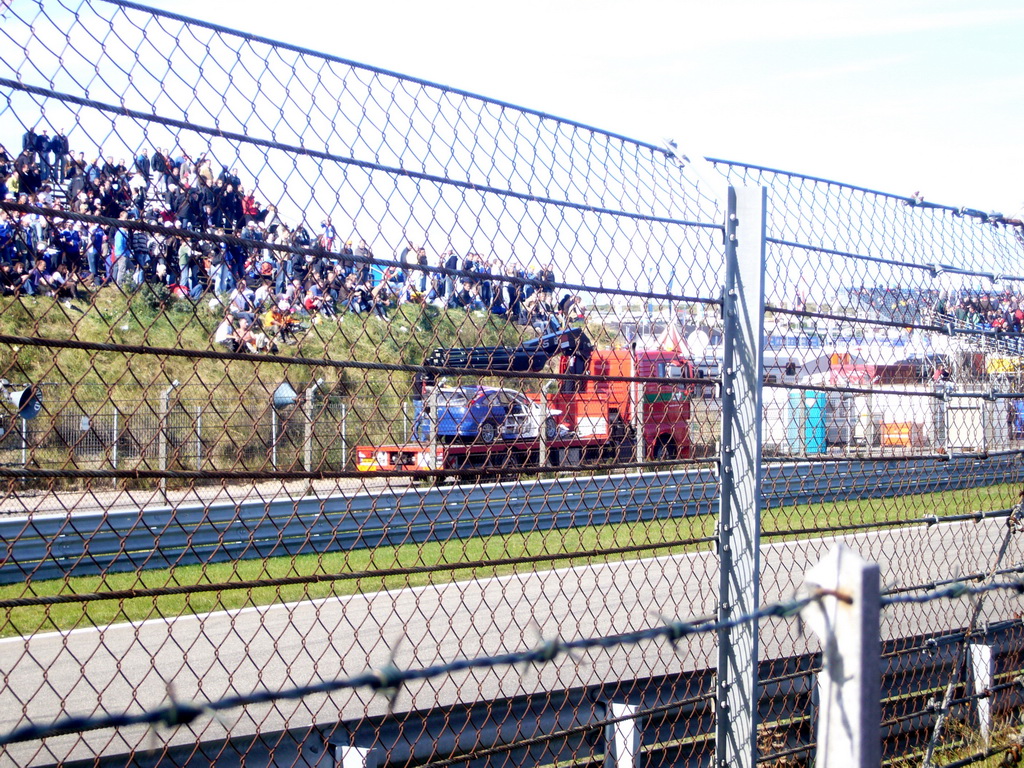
[[484, 414]]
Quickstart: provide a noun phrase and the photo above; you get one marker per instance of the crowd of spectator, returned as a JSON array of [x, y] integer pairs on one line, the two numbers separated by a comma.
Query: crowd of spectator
[[896, 303], [265, 292], [996, 310], [999, 310]]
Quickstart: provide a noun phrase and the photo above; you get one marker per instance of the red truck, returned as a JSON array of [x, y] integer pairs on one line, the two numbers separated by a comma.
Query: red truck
[[599, 415]]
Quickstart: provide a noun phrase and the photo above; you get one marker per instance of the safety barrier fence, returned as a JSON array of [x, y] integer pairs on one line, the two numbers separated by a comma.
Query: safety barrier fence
[[578, 338], [53, 547]]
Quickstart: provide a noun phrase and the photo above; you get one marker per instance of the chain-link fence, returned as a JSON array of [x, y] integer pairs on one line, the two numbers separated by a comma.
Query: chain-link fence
[[310, 369]]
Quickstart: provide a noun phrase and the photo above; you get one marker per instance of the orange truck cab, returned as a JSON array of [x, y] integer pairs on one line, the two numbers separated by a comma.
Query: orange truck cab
[[610, 407]]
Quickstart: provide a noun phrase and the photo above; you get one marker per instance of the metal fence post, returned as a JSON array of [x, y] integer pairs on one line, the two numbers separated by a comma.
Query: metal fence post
[[307, 442], [273, 438], [636, 393], [162, 437], [542, 448], [983, 670], [739, 520], [199, 437], [117, 438], [846, 619], [344, 437], [307, 436], [431, 406], [622, 738]]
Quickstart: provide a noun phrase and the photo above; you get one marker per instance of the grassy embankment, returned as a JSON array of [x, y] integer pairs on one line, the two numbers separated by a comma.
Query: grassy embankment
[[234, 396]]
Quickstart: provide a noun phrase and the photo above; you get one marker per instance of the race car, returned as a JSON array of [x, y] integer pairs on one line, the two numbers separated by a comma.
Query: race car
[[483, 414]]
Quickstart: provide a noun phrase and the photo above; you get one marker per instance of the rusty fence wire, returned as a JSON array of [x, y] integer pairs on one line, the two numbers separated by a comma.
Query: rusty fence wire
[[318, 378]]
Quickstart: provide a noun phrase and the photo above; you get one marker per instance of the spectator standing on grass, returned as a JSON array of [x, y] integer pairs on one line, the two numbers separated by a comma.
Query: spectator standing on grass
[[96, 243], [347, 264], [120, 254], [220, 273], [362, 269], [188, 268], [514, 291], [69, 243], [8, 231], [447, 287], [140, 245], [422, 279], [486, 288], [546, 282]]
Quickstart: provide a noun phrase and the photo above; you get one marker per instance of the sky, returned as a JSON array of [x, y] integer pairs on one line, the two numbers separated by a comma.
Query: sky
[[896, 95]]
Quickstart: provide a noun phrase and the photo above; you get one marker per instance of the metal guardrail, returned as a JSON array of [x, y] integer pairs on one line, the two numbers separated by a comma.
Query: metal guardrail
[[43, 547]]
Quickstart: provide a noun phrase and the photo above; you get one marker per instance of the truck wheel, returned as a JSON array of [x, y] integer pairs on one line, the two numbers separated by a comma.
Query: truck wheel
[[488, 432], [621, 443], [665, 449], [550, 428]]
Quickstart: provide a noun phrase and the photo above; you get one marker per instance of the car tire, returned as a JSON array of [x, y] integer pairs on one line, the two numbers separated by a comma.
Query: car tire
[[550, 428], [488, 432]]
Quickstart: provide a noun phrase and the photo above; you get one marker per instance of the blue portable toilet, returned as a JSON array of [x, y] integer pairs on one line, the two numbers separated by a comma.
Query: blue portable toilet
[[806, 421], [814, 427]]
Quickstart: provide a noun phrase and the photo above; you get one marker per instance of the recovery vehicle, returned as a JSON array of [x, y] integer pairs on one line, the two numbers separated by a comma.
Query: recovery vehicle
[[598, 418]]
